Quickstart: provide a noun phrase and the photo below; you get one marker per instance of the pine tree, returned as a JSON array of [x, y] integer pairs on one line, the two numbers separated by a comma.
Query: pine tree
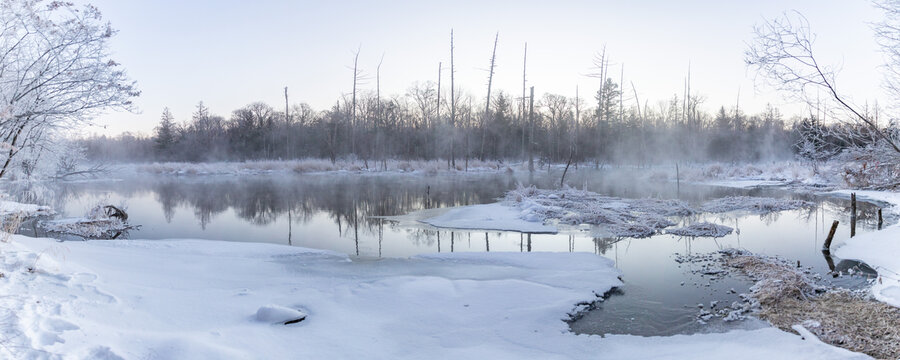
[[166, 133]]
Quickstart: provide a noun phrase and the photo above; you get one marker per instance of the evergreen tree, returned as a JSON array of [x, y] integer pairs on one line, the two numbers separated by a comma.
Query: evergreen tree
[[166, 134]]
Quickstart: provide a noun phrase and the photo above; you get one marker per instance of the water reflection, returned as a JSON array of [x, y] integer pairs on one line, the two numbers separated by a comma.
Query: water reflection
[[344, 213]]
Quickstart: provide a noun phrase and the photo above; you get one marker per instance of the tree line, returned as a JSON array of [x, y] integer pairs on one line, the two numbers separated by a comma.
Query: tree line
[[418, 125]]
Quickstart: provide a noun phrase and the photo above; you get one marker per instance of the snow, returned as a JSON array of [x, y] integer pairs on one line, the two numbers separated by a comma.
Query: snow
[[278, 314], [496, 216], [879, 249], [27, 210], [194, 299]]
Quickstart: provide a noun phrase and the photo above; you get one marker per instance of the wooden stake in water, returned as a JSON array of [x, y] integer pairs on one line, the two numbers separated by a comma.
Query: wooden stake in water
[[827, 246], [852, 214], [880, 219]]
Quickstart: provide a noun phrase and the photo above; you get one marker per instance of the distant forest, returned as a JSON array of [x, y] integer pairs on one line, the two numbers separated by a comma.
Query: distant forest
[[421, 125]]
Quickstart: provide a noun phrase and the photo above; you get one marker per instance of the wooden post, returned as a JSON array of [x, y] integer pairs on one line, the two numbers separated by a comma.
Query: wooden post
[[852, 214], [880, 219], [830, 262], [827, 246]]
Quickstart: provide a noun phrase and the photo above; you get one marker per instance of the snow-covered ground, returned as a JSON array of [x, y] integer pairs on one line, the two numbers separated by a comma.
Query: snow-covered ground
[[781, 173], [27, 210], [879, 249], [191, 299]]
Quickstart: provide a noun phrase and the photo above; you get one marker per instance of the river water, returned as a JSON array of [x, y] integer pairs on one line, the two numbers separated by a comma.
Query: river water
[[344, 213]]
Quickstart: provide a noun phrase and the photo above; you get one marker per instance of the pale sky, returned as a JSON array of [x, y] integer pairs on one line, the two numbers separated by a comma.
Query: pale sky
[[229, 53]]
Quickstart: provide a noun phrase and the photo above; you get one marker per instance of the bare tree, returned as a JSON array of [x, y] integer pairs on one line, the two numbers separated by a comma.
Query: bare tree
[[487, 103], [452, 162], [887, 34], [357, 78], [782, 52], [522, 111], [55, 71]]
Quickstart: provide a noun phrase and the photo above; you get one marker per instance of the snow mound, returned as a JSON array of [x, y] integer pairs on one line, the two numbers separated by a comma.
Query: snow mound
[[621, 217], [496, 216], [757, 205], [279, 314], [701, 229], [28, 210]]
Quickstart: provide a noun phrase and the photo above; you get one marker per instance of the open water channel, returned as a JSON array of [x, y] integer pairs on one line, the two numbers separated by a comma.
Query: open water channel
[[344, 213]]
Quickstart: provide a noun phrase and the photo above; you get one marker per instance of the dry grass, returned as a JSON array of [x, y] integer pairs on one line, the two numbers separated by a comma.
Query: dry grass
[[774, 281], [838, 317], [9, 225], [845, 319]]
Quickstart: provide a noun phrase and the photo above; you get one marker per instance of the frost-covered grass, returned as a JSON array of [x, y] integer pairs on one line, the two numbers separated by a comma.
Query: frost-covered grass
[[633, 217], [756, 205], [788, 299], [701, 229], [621, 217], [795, 173], [314, 166]]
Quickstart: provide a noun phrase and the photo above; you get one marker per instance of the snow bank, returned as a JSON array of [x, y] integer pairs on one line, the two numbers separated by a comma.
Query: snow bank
[[27, 210], [781, 173], [879, 249], [497, 216], [203, 299], [279, 314]]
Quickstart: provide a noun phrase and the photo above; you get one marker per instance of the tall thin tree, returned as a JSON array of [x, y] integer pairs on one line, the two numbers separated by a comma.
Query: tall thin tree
[[487, 102], [452, 105]]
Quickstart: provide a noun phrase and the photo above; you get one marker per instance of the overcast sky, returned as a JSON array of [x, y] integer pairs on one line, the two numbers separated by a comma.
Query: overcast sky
[[229, 53]]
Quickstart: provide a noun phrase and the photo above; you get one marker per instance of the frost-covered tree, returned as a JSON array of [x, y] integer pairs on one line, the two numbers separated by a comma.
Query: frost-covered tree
[[783, 52], [55, 72]]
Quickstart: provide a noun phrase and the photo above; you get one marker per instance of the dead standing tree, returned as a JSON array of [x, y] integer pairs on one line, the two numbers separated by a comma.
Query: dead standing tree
[[358, 77], [451, 162], [487, 103]]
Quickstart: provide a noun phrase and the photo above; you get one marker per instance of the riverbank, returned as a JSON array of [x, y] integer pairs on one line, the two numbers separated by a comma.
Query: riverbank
[[201, 299]]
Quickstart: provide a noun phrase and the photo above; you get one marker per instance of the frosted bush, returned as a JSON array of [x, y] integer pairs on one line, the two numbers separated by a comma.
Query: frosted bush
[[702, 229], [620, 217]]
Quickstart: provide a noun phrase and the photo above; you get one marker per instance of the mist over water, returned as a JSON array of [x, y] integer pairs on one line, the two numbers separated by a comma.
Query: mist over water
[[346, 214]]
